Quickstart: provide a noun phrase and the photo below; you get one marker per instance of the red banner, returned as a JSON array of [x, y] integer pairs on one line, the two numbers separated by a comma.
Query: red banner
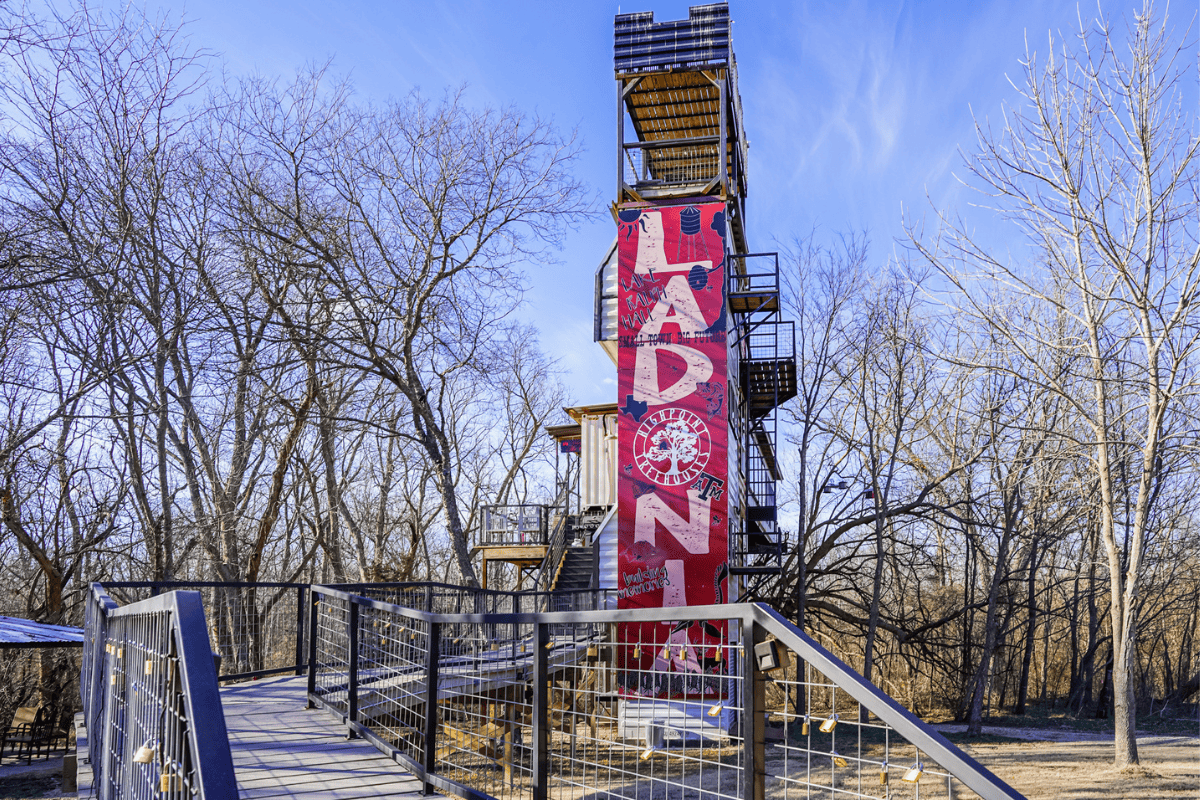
[[673, 438]]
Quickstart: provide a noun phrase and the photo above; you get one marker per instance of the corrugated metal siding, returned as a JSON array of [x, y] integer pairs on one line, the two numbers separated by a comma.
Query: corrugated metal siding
[[608, 551], [606, 297], [641, 43], [598, 460]]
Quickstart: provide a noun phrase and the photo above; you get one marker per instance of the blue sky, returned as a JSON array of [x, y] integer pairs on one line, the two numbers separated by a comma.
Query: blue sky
[[854, 110]]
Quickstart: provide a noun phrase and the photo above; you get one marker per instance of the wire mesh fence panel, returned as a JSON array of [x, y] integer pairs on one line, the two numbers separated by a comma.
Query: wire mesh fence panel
[[715, 703], [331, 665], [255, 627], [147, 754], [485, 720], [825, 743], [830, 733], [678, 164], [648, 717], [393, 653]]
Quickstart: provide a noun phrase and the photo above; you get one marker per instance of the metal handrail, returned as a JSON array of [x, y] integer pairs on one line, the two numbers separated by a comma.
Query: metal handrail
[[249, 632], [152, 707], [431, 643], [554, 555]]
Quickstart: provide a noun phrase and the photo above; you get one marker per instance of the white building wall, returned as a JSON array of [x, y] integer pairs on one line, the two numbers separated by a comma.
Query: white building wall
[[598, 460]]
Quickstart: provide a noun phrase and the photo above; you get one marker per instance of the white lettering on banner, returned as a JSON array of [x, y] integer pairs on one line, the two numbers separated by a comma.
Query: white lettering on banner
[[675, 592], [677, 297], [698, 368], [692, 533], [651, 257]]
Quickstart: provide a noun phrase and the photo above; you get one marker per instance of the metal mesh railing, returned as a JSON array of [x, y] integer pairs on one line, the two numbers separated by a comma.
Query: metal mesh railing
[[754, 273], [655, 163], [257, 628], [507, 525], [393, 655], [718, 702], [650, 710], [484, 731], [329, 674], [151, 705], [444, 598]]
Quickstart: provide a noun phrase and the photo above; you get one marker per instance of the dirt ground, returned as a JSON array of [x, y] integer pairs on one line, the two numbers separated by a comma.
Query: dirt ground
[[1075, 770]]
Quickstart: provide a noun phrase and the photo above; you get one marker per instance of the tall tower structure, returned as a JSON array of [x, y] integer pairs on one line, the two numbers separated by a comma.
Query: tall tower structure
[[691, 318]]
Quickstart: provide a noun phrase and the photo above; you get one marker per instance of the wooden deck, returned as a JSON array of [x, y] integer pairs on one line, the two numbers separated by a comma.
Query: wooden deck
[[283, 750]]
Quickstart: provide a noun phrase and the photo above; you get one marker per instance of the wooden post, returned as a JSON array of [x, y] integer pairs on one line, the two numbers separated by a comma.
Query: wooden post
[[510, 720]]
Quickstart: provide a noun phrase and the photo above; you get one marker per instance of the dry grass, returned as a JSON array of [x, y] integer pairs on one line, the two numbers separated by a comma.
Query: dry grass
[[1077, 770]]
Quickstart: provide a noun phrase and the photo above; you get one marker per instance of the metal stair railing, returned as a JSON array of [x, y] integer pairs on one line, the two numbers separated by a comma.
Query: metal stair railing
[[152, 708], [548, 574], [533, 706]]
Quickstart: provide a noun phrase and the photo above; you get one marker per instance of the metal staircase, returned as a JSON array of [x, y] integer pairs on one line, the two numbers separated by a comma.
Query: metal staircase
[[765, 347], [575, 570]]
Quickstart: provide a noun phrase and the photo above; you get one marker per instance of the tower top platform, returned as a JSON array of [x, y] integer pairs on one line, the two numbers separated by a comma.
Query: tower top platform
[[679, 112], [643, 45]]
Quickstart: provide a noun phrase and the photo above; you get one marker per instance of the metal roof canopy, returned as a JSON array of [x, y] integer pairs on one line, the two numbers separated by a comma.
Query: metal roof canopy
[[20, 633]]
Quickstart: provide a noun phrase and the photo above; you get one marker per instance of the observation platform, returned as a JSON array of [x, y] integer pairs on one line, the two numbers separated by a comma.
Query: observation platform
[[283, 750]]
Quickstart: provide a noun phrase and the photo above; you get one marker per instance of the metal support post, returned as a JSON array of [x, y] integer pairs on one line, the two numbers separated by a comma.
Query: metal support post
[[429, 756], [541, 711], [313, 619], [722, 158], [352, 661], [301, 591], [620, 145], [753, 705]]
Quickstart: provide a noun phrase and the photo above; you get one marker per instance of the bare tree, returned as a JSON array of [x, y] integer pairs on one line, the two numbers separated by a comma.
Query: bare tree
[[1099, 170], [414, 221]]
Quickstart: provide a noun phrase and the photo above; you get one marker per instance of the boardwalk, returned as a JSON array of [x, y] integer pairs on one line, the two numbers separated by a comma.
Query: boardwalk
[[282, 750]]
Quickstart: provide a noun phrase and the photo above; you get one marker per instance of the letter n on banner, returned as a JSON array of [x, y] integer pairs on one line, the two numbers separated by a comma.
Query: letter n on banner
[[673, 437]]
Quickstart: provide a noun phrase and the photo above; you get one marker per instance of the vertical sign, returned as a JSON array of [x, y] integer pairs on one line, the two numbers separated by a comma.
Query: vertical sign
[[673, 438]]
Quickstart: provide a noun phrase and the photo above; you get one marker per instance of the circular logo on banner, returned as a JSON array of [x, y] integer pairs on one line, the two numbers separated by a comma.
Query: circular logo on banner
[[672, 446]]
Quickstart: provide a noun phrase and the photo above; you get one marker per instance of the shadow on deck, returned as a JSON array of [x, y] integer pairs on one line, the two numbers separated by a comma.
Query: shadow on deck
[[281, 749]]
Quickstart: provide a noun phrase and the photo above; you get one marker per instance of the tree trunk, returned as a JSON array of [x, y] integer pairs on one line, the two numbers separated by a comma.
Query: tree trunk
[[1030, 630]]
